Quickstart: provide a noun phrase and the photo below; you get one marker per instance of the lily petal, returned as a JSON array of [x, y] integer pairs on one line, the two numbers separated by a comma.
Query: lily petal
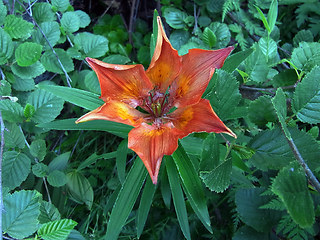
[[165, 63], [127, 83], [151, 142], [198, 66], [115, 111], [199, 117]]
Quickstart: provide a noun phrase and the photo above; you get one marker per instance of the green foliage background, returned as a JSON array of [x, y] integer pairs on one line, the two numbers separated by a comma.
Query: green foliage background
[[66, 181]]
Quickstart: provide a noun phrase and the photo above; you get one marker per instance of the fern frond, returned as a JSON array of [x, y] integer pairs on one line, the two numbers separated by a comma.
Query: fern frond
[[274, 204], [228, 6]]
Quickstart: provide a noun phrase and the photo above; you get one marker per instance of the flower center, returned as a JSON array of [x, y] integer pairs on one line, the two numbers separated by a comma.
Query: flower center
[[157, 104]]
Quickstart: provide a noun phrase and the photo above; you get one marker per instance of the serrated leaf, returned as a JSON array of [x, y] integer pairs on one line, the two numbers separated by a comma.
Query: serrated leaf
[[40, 170], [269, 48], [256, 67], [92, 45], [248, 202], [291, 186], [52, 32], [302, 36], [92, 83], [126, 199], [51, 63], [285, 78], [306, 98], [179, 38], [31, 71], [84, 18], [222, 33], [261, 111], [61, 5], [5, 88], [224, 96], [11, 111], [175, 18], [178, 198], [47, 106], [306, 56], [38, 149], [56, 230], [70, 22], [219, 178], [16, 27], [13, 136], [42, 12], [79, 188], [48, 213], [28, 111], [210, 156], [3, 12], [235, 60], [20, 214], [23, 84], [209, 37], [57, 178], [28, 53], [16, 168], [6, 46]]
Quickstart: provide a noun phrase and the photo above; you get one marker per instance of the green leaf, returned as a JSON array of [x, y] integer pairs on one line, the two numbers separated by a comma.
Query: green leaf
[[192, 186], [178, 198], [280, 105], [52, 32], [233, 61], [144, 206], [264, 20], [302, 36], [11, 111], [3, 12], [210, 156], [23, 84], [248, 233], [261, 111], [31, 71], [121, 160], [175, 18], [306, 98], [291, 186], [222, 33], [47, 106], [126, 199], [219, 178], [28, 53], [16, 27], [248, 202], [60, 162], [84, 18], [13, 136], [20, 214], [48, 213], [28, 111], [51, 63], [143, 55], [287, 77], [224, 96], [38, 149], [118, 129], [16, 168], [209, 37], [153, 38], [40, 170], [6, 46], [269, 48], [179, 38], [79, 188], [42, 12], [273, 14], [92, 83], [94, 157], [256, 67], [5, 88], [93, 46], [306, 56], [61, 5], [70, 22], [165, 188], [56, 230], [57, 178], [116, 59]]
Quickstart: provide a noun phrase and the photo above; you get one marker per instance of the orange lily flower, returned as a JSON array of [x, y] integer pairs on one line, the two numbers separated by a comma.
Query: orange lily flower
[[163, 103]]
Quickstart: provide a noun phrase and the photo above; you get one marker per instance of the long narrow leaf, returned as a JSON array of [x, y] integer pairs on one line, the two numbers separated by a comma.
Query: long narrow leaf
[[177, 195], [121, 160], [192, 185], [145, 204], [126, 199], [118, 129], [78, 97]]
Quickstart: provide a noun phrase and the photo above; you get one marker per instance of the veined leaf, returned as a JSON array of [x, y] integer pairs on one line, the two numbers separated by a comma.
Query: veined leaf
[[84, 18], [92, 83], [256, 66], [60, 162], [70, 22], [235, 60], [40, 170], [52, 32], [16, 168], [222, 33], [23, 84], [178, 198], [28, 53], [306, 56], [31, 71], [57, 178], [306, 99], [60, 5], [56, 230], [261, 111], [6, 46], [16, 27], [42, 12], [51, 63], [38, 149], [78, 97], [291, 186], [20, 214], [13, 137], [3, 12], [209, 37], [48, 213], [92, 45], [192, 186], [175, 18], [126, 199], [269, 48], [11, 111]]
